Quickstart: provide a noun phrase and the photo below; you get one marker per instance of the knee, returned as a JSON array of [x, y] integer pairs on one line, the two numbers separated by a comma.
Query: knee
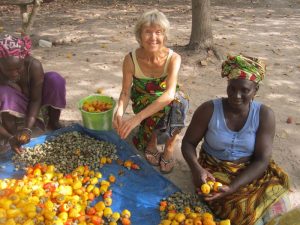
[[54, 78]]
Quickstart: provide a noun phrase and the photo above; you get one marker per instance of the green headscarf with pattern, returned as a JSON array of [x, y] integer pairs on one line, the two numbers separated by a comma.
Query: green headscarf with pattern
[[243, 67]]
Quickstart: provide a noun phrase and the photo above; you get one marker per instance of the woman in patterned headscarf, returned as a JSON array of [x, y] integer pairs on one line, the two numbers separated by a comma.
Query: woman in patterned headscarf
[[24, 90], [238, 138]]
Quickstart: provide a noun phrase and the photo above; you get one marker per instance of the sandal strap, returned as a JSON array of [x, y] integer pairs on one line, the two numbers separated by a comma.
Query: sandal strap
[[166, 161], [166, 166], [155, 154]]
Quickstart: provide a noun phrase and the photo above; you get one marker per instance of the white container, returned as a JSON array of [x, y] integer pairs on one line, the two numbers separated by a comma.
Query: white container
[[45, 44]]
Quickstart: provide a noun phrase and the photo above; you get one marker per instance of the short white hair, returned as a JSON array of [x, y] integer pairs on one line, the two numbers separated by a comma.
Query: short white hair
[[152, 17]]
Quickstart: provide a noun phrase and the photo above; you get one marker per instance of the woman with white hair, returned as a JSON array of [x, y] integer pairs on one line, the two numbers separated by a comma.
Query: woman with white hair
[[150, 80]]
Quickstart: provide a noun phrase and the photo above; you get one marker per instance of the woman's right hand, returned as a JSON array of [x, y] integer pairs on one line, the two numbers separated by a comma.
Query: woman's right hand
[[117, 121], [202, 176]]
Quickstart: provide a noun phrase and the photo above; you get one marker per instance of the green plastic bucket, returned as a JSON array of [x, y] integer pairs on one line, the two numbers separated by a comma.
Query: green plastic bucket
[[97, 120]]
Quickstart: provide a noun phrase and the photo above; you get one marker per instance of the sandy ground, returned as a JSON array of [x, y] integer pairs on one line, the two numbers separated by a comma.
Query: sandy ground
[[92, 37]]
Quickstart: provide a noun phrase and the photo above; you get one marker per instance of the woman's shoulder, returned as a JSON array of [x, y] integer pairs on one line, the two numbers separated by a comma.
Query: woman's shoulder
[[206, 107], [138, 52], [204, 111], [265, 110], [130, 56], [263, 107], [173, 53], [174, 60], [128, 65], [266, 114], [33, 62]]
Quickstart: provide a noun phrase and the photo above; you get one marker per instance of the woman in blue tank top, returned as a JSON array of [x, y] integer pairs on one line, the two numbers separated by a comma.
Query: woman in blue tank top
[[237, 135]]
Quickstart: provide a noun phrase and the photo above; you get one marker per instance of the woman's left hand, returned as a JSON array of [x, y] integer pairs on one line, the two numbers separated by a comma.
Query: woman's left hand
[[15, 145], [23, 136], [128, 125], [222, 192]]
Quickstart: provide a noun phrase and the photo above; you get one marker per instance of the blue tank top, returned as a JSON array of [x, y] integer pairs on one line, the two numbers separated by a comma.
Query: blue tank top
[[225, 144]]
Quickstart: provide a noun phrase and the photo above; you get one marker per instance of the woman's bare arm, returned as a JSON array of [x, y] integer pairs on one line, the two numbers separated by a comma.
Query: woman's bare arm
[[35, 92]]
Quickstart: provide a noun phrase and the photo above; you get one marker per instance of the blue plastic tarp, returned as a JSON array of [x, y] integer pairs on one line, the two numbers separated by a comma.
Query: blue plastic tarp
[[139, 191]]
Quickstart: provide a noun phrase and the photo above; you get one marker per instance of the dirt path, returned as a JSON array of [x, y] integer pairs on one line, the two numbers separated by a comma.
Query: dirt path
[[92, 38]]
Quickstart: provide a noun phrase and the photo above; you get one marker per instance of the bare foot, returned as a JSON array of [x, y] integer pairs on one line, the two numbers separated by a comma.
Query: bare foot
[[54, 126]]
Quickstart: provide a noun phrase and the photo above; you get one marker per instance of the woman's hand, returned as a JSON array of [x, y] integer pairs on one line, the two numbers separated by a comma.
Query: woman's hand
[[202, 176], [222, 192], [117, 121], [23, 136], [20, 138], [128, 125], [15, 145]]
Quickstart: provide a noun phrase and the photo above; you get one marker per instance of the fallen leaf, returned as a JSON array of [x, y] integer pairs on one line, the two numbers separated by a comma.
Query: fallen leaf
[[81, 20], [289, 120], [119, 162], [283, 134], [274, 52], [210, 52], [99, 90], [203, 63], [121, 173], [69, 55]]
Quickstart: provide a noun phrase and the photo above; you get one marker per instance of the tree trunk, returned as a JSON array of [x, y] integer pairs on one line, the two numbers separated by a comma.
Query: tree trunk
[[26, 26], [201, 36]]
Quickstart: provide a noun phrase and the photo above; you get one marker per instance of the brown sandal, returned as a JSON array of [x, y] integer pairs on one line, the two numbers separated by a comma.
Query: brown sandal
[[152, 157], [166, 166]]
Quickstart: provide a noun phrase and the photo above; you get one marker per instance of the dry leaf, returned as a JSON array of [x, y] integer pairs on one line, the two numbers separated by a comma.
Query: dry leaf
[[283, 134], [289, 120], [99, 90], [203, 63], [121, 173], [69, 55]]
